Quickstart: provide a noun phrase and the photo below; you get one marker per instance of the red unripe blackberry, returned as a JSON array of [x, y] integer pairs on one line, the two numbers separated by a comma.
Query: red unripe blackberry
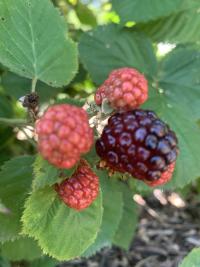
[[125, 89], [63, 135], [139, 143], [79, 191]]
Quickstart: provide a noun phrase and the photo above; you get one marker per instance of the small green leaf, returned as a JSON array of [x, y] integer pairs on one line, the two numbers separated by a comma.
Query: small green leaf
[[33, 42], [112, 214], [63, 233], [15, 183], [17, 86], [85, 15], [192, 259], [128, 223], [23, 248], [110, 47], [146, 10], [46, 174], [44, 262]]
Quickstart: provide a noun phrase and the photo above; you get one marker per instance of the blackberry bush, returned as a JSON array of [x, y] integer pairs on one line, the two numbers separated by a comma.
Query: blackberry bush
[[79, 131]]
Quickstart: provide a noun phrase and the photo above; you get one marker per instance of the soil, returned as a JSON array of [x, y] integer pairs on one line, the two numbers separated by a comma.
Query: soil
[[168, 229]]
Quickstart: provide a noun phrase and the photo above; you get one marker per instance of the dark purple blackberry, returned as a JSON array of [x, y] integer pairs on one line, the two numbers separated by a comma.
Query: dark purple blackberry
[[139, 143]]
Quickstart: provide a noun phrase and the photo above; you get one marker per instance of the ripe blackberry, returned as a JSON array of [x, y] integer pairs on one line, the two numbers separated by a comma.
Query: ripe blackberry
[[63, 135], [139, 143], [125, 89], [79, 191]]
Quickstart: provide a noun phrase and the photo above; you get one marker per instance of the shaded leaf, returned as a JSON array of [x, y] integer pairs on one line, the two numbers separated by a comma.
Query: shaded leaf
[[146, 10], [44, 262], [128, 222], [17, 86], [110, 47], [15, 183], [180, 27], [23, 248], [111, 216]]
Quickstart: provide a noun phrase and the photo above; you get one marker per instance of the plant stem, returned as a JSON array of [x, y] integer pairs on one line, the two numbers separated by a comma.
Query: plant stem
[[13, 122], [33, 88]]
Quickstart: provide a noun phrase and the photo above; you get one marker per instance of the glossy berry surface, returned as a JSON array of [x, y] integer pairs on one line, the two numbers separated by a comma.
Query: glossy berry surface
[[125, 89], [164, 178], [139, 143], [63, 135], [79, 191]]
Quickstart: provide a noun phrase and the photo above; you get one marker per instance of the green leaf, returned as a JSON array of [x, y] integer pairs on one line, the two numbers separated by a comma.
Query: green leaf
[[44, 262], [6, 109], [85, 15], [110, 47], [21, 249], [46, 174], [4, 262], [63, 233], [112, 214], [192, 259], [33, 42], [180, 27], [128, 222], [15, 183], [179, 78], [17, 86], [146, 10]]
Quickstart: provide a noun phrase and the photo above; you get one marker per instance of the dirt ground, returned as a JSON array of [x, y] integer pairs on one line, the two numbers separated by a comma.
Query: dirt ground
[[168, 229]]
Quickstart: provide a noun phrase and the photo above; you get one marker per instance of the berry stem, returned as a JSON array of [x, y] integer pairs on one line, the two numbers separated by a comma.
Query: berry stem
[[34, 82], [13, 122]]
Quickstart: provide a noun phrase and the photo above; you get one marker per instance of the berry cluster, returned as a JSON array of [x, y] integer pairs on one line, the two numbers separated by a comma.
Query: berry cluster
[[134, 141], [79, 191], [125, 89], [63, 135]]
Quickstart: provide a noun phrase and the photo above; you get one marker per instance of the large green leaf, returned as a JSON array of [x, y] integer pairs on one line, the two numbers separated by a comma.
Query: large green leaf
[[21, 249], [145, 10], [180, 27], [33, 42], [61, 232], [128, 223], [110, 47], [192, 259], [113, 208], [15, 183], [17, 86]]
